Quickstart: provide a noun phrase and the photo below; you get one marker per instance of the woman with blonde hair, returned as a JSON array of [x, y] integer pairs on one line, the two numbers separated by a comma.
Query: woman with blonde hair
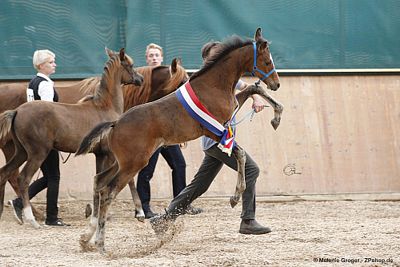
[[41, 87]]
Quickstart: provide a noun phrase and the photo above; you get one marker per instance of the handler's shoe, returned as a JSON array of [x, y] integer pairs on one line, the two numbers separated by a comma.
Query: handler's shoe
[[252, 227], [57, 222], [161, 223], [148, 214], [192, 210], [17, 207]]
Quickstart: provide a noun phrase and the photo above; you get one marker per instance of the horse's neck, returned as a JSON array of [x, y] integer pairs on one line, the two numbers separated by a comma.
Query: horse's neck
[[219, 83], [110, 89], [228, 70]]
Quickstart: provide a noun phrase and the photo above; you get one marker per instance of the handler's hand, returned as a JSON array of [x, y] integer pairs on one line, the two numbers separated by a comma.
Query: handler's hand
[[258, 103]]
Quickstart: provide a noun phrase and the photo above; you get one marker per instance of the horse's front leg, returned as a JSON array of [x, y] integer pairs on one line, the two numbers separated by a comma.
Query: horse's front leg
[[139, 213], [278, 109], [240, 156], [255, 89]]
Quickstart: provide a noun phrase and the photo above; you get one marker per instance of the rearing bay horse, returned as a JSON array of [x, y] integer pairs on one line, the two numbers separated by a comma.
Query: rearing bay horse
[[157, 81], [39, 126], [140, 131]]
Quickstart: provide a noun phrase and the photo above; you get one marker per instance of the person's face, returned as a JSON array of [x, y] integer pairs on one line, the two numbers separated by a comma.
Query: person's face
[[154, 57], [48, 67]]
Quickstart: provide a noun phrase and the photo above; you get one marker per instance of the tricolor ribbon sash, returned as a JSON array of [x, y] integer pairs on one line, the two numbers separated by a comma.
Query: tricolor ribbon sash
[[197, 111]]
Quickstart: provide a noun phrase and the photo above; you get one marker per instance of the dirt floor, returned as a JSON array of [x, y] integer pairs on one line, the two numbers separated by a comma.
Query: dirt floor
[[304, 233]]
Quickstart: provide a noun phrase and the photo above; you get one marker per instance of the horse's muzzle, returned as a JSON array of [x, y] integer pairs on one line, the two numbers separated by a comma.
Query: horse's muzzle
[[138, 80], [274, 86]]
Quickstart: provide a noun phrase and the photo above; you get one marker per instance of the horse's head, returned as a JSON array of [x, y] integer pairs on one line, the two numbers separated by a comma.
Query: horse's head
[[178, 74], [263, 66], [129, 75], [166, 79]]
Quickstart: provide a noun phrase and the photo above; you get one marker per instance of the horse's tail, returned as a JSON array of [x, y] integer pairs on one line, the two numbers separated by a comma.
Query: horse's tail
[[6, 122], [94, 137]]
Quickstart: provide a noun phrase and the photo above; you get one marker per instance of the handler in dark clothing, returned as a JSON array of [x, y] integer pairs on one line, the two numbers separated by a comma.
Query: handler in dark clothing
[[41, 87]]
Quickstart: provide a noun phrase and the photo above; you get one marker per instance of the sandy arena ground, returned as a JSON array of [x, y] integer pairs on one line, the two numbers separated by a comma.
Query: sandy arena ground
[[305, 233]]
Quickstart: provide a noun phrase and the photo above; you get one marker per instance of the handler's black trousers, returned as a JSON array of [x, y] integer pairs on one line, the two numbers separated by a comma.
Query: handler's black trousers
[[212, 163], [174, 157], [50, 180]]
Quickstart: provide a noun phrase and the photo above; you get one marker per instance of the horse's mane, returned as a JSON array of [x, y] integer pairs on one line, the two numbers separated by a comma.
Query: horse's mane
[[227, 46], [87, 86], [175, 80], [135, 95], [111, 64]]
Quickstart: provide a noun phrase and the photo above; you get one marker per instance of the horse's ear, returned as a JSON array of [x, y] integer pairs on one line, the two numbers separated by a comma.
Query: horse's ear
[[263, 45], [109, 52], [122, 54], [174, 64], [258, 34]]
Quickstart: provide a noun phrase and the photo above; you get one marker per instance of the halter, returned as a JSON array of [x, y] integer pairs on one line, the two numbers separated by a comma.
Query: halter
[[266, 75]]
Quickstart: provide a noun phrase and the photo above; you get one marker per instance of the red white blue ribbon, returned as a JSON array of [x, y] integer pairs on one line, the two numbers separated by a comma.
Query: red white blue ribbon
[[197, 111]]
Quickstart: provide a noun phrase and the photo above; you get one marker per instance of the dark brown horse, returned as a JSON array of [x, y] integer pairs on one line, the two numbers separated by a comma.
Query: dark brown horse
[[158, 81], [39, 126], [140, 131]]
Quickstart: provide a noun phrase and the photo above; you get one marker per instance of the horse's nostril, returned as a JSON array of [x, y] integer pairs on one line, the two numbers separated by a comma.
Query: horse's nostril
[[278, 85]]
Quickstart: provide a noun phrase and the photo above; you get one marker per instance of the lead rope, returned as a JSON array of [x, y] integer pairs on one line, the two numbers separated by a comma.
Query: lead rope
[[62, 158], [249, 114], [63, 161]]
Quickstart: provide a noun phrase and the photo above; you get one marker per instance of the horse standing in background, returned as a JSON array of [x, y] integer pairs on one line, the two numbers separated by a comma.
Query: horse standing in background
[[140, 131]]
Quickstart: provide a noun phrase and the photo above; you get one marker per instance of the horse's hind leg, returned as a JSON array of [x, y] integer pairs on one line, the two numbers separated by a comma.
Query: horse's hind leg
[[104, 204], [8, 151], [24, 180], [107, 195], [9, 169], [139, 213], [100, 165], [240, 156]]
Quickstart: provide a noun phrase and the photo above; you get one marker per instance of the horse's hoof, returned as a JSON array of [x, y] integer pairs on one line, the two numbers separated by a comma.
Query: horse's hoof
[[34, 224], [84, 243], [140, 218], [234, 201], [139, 215], [84, 239], [275, 123], [100, 248], [88, 210]]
